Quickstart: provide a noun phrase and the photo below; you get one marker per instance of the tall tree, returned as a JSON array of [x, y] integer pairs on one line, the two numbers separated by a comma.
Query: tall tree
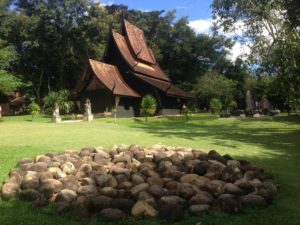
[[55, 39], [274, 40], [8, 81]]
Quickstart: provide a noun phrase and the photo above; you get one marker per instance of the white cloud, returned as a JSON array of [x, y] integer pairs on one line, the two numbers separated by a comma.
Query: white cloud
[[201, 25], [238, 50], [105, 3], [181, 7]]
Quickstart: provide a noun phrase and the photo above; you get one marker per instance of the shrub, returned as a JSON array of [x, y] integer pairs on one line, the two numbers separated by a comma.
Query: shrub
[[215, 106], [61, 98], [148, 106], [33, 108], [186, 111]]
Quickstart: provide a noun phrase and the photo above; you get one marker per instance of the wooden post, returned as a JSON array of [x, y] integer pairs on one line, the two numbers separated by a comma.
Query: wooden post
[[117, 100], [0, 111]]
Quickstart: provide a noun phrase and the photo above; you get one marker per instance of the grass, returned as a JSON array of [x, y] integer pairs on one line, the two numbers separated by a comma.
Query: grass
[[273, 143]]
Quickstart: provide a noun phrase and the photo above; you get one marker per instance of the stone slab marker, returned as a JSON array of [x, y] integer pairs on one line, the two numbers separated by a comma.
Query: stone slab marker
[[55, 116]]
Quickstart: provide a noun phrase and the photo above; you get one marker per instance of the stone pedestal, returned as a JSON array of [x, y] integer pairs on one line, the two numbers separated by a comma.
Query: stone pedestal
[[56, 119], [88, 117], [256, 115]]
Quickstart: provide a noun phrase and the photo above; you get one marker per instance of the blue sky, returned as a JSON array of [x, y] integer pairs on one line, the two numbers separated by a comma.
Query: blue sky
[[194, 9]]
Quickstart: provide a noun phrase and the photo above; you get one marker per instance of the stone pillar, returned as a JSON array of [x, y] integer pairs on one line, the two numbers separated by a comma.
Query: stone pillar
[[55, 116], [88, 116]]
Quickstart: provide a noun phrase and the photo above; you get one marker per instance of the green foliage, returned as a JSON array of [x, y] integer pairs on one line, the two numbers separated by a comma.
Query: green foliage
[[148, 106], [186, 111], [8, 81], [233, 105], [34, 109], [215, 106], [213, 85], [272, 30], [62, 98]]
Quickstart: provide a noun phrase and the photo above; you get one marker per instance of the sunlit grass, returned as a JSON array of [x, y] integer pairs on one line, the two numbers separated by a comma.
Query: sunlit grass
[[273, 143]]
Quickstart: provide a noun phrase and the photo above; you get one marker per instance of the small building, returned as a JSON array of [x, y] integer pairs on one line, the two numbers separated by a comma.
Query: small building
[[129, 72]]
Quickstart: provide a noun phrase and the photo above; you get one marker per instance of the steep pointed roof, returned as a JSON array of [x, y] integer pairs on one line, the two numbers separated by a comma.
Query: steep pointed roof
[[134, 50], [167, 87], [152, 70], [109, 76], [138, 43]]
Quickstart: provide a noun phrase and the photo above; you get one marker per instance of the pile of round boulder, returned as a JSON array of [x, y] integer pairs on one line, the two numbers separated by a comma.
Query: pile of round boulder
[[139, 181]]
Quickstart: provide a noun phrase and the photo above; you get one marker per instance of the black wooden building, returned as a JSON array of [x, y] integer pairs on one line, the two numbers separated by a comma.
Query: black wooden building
[[128, 72]]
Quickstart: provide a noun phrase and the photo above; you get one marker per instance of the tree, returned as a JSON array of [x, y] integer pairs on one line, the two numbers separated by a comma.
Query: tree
[[54, 39], [62, 98], [34, 109], [215, 106], [148, 106], [271, 29], [8, 81], [213, 85]]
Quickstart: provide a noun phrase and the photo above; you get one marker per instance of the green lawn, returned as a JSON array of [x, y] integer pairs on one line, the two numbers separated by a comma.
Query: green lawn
[[271, 143]]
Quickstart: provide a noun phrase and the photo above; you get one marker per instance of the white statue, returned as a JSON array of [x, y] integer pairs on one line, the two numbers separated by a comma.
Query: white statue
[[88, 116], [87, 105]]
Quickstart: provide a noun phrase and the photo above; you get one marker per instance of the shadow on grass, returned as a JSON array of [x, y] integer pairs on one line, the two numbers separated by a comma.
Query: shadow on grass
[[276, 137]]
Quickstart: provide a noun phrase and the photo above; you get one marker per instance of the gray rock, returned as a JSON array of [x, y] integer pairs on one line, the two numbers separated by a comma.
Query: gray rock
[[201, 198], [137, 179], [112, 214], [68, 167], [88, 181], [10, 190], [30, 182], [39, 167], [230, 188], [86, 151], [56, 183], [123, 204], [139, 188], [109, 191], [245, 185], [157, 191], [86, 168], [198, 209], [231, 174], [45, 175], [143, 209], [227, 203], [106, 180], [155, 181], [171, 212], [87, 190], [70, 182], [99, 203], [172, 199], [66, 195], [252, 200], [29, 195], [125, 185], [47, 190]]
